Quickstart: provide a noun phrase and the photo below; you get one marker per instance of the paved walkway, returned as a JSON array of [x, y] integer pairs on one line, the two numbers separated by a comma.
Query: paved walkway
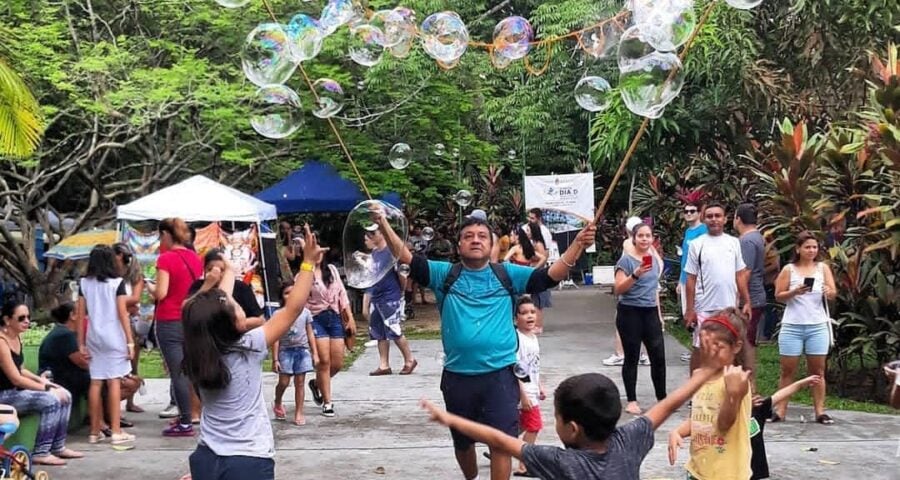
[[380, 433]]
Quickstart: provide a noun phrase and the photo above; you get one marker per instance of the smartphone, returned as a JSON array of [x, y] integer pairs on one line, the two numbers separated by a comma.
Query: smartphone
[[647, 261], [808, 282]]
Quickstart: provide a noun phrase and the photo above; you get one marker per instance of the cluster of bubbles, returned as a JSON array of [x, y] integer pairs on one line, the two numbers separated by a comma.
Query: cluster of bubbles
[[366, 256]]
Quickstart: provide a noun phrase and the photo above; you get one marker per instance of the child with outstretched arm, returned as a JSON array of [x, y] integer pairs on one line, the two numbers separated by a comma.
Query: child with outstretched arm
[[587, 408]]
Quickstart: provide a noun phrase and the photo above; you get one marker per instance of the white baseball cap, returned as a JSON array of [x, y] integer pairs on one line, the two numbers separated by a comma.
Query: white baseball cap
[[632, 222]]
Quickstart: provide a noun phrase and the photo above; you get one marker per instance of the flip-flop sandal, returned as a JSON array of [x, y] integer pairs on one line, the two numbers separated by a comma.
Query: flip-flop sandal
[[825, 419], [300, 423]]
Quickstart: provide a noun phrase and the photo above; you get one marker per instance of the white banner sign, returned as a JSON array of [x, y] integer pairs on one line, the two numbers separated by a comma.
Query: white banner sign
[[567, 201]]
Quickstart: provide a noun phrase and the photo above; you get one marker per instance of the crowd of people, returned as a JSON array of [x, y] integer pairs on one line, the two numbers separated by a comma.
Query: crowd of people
[[490, 299]]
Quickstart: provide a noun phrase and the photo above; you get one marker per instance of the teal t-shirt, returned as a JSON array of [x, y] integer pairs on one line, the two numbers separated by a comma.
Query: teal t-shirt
[[477, 327], [689, 235]]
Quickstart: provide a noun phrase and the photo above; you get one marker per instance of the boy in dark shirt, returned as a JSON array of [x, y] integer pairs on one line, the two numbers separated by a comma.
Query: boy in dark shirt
[[587, 408], [762, 411]]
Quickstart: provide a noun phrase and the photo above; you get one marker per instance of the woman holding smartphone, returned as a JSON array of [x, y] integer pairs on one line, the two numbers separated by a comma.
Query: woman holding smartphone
[[637, 319], [803, 286]]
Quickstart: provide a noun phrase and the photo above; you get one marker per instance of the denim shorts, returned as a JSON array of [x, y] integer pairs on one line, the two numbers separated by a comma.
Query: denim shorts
[[328, 324], [295, 360], [795, 340]]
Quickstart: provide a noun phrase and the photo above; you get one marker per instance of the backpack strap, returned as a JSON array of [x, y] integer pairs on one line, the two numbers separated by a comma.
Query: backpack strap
[[499, 272]]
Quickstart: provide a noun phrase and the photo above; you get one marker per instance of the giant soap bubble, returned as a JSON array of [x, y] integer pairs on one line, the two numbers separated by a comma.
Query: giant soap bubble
[[276, 111], [744, 4], [463, 198], [635, 44], [602, 40], [366, 256], [329, 98], [306, 37], [366, 45], [646, 86], [335, 14], [666, 24], [445, 37], [266, 56], [512, 37], [592, 93]]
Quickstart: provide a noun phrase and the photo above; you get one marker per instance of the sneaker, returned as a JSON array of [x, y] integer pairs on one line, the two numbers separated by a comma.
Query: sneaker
[[317, 395], [170, 412], [614, 360], [686, 357], [645, 360], [179, 430], [120, 438], [328, 410]]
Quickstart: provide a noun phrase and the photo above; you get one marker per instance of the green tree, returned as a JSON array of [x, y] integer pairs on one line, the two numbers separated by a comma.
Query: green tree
[[20, 120]]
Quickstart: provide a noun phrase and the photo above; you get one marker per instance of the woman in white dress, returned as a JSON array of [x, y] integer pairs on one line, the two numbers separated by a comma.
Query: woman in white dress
[[107, 340]]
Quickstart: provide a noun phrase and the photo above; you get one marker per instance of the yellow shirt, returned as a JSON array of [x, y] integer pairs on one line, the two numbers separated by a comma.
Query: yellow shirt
[[715, 455]]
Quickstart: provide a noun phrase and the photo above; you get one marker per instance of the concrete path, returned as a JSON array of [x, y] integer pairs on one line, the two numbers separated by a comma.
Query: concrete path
[[380, 433]]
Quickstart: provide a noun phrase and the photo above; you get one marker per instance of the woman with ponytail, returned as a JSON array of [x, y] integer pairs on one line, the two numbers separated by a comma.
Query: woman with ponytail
[[176, 268], [236, 439]]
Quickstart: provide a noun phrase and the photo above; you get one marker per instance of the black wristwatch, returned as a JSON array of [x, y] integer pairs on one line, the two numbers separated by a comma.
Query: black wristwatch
[[634, 276]]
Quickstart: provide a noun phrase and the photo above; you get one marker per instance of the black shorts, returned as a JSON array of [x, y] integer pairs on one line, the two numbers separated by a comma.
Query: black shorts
[[490, 398]]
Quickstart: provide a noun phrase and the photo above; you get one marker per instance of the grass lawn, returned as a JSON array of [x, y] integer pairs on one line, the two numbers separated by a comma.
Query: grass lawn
[[768, 371]]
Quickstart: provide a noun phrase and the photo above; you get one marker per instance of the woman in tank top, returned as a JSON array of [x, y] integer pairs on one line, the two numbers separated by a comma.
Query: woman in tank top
[[803, 286], [29, 393]]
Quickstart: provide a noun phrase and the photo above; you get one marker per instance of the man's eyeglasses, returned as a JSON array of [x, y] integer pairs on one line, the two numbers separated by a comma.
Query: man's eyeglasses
[[22, 318], [690, 211]]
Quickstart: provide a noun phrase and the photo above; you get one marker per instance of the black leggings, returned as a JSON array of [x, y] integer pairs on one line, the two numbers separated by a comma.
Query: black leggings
[[638, 325]]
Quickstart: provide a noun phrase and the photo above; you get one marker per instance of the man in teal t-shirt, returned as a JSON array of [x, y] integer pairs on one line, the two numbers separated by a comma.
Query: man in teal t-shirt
[[695, 228], [478, 332]]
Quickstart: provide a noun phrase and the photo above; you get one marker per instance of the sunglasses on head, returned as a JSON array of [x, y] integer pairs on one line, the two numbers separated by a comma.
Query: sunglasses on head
[[690, 210]]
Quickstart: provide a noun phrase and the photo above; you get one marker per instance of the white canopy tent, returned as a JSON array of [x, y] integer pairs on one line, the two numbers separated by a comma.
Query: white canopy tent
[[198, 199]]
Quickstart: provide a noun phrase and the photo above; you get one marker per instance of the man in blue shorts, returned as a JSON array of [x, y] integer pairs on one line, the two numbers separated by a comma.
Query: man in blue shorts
[[384, 305], [475, 300]]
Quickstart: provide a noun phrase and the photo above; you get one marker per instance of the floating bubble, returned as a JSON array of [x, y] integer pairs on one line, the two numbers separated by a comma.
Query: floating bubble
[[427, 234], [463, 198], [602, 40], [329, 98], [439, 149], [512, 37], [400, 31], [445, 37], [635, 44], [277, 112], [511, 154], [402, 49], [266, 56], [335, 14], [400, 156], [232, 3], [666, 24], [744, 4], [306, 37], [366, 45], [455, 152], [592, 93], [646, 87], [403, 269], [367, 259]]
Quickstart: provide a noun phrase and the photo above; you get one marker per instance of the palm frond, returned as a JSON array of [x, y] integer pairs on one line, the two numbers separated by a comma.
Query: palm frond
[[21, 126]]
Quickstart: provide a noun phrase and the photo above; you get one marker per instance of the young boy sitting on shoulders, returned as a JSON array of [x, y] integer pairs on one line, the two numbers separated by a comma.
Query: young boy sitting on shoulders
[[587, 408]]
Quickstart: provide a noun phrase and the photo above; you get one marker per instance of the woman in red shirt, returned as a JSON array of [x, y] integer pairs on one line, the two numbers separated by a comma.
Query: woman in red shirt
[[176, 268]]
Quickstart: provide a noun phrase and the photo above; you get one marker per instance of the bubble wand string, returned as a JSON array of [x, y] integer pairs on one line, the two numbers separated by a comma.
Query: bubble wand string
[[331, 124], [640, 133]]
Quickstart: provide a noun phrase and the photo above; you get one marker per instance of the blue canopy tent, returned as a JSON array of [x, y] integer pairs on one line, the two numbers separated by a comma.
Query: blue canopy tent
[[317, 187]]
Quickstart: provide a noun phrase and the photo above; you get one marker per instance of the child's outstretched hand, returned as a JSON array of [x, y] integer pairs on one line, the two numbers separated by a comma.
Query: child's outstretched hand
[[675, 443], [435, 413], [736, 381], [812, 380]]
